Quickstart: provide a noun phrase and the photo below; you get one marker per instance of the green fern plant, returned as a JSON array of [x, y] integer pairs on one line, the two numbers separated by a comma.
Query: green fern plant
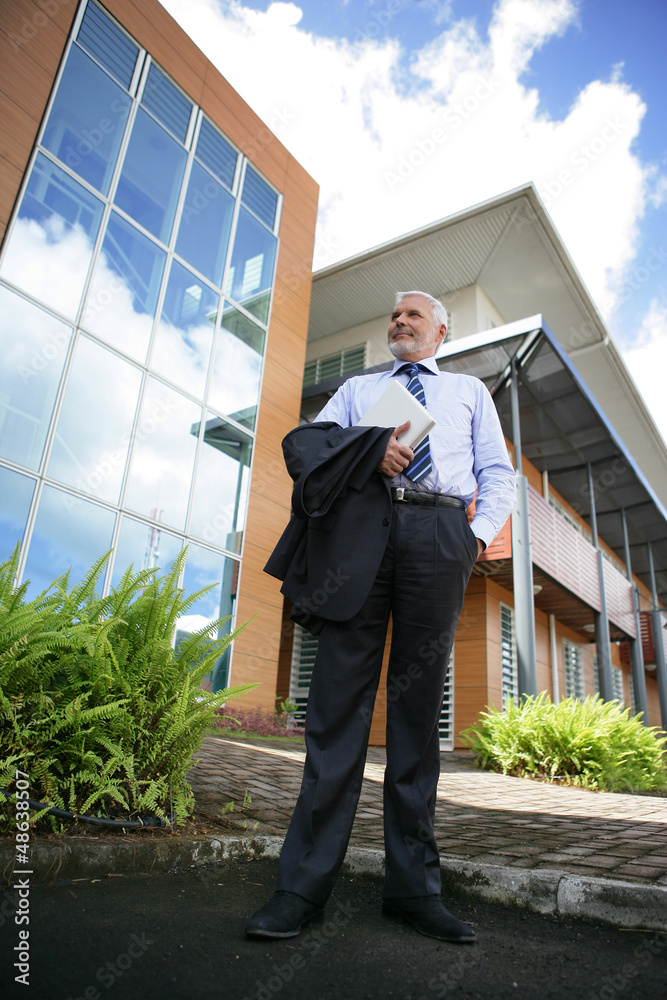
[[595, 744], [95, 703]]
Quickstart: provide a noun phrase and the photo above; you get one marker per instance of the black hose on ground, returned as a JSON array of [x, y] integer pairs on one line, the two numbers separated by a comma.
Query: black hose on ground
[[95, 820]]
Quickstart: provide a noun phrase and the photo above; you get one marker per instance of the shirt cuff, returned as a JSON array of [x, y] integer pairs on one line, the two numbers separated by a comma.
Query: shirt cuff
[[483, 529]]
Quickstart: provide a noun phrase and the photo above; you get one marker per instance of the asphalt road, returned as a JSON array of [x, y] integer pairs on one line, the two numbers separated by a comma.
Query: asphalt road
[[179, 935]]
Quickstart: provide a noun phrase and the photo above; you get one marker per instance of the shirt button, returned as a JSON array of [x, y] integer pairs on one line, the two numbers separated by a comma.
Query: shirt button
[[385, 522]]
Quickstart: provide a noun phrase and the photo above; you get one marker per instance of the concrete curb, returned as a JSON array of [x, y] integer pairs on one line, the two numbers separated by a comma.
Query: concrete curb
[[622, 904]]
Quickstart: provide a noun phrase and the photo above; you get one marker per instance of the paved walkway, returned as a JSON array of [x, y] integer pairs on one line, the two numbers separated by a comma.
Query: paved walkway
[[480, 817]]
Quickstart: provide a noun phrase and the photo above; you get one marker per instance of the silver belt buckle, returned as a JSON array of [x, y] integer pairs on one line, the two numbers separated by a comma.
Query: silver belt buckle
[[400, 492]]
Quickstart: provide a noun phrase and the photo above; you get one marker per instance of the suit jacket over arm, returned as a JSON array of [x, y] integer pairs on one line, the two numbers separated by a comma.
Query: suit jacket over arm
[[330, 552]]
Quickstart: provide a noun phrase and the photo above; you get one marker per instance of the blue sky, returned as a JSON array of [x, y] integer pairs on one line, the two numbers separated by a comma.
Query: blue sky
[[353, 86]]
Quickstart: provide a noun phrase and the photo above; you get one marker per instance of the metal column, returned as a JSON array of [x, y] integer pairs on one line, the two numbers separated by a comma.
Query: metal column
[[522, 563], [658, 644], [636, 651], [600, 618]]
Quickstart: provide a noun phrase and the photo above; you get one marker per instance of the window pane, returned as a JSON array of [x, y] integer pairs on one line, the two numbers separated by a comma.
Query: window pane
[[151, 178], [144, 547], [220, 497], [16, 492], [259, 197], [114, 50], [203, 234], [87, 121], [124, 291], [250, 276], [237, 369], [203, 568], [216, 153], [90, 448], [50, 246], [68, 533], [185, 332], [167, 102], [33, 347], [163, 456]]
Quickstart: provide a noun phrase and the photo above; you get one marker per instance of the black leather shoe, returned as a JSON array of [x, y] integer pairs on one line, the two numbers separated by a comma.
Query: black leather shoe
[[428, 916], [284, 916]]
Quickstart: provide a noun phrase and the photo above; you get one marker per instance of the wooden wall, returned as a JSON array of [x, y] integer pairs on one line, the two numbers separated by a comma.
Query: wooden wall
[[33, 34]]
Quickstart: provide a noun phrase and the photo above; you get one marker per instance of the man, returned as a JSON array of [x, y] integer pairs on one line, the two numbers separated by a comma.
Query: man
[[412, 561]]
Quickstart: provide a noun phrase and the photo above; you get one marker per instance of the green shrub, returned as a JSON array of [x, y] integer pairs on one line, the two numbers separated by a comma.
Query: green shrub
[[95, 704], [596, 744]]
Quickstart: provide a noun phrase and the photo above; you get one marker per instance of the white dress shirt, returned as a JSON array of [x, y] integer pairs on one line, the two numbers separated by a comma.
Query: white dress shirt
[[468, 448]]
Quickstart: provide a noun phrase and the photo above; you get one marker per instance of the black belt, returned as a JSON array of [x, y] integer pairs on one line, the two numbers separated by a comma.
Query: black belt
[[401, 495]]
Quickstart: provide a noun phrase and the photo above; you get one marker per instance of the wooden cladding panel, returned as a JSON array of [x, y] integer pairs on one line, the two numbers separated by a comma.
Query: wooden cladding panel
[[266, 589], [26, 83], [37, 30], [18, 134], [283, 384], [272, 480], [562, 552], [266, 521], [618, 592], [10, 180]]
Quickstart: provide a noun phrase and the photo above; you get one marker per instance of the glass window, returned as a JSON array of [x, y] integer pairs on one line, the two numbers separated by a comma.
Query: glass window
[[259, 197], [250, 276], [16, 492], [107, 43], [574, 670], [51, 244], [203, 233], [143, 546], [87, 121], [216, 153], [124, 291], [237, 369], [163, 456], [221, 486], [150, 181], [68, 533], [508, 659], [202, 568], [167, 102], [33, 346], [184, 334], [93, 433]]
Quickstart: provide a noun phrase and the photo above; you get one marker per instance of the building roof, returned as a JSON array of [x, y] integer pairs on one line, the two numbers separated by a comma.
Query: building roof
[[511, 249]]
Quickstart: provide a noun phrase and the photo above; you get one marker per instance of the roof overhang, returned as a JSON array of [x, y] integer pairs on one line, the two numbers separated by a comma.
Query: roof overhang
[[508, 246]]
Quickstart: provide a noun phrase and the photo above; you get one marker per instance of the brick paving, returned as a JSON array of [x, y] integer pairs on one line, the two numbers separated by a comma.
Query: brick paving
[[480, 816]]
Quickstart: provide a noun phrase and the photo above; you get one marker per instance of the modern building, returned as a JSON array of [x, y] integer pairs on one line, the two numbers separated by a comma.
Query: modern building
[[551, 604], [158, 341], [155, 276]]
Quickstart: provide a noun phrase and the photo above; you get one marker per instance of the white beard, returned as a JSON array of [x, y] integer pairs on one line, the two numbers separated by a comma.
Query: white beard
[[399, 348]]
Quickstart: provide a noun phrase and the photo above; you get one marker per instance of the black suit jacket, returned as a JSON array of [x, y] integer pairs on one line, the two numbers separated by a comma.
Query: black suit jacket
[[330, 552]]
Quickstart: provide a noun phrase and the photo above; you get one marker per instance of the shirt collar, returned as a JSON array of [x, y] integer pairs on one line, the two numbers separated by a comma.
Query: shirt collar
[[430, 363]]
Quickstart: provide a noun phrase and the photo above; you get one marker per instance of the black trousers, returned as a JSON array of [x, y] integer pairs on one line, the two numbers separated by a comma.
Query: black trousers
[[421, 583]]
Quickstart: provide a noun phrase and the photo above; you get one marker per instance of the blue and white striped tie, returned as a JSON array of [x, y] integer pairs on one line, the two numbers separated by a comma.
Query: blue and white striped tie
[[420, 465]]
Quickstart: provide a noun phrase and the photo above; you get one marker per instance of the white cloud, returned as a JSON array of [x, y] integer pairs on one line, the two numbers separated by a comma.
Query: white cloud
[[397, 140], [646, 362]]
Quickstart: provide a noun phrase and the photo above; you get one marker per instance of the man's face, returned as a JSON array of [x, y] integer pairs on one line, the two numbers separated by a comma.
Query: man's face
[[413, 333]]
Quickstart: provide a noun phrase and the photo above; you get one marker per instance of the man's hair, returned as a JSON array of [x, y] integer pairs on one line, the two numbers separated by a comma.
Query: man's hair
[[438, 311]]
